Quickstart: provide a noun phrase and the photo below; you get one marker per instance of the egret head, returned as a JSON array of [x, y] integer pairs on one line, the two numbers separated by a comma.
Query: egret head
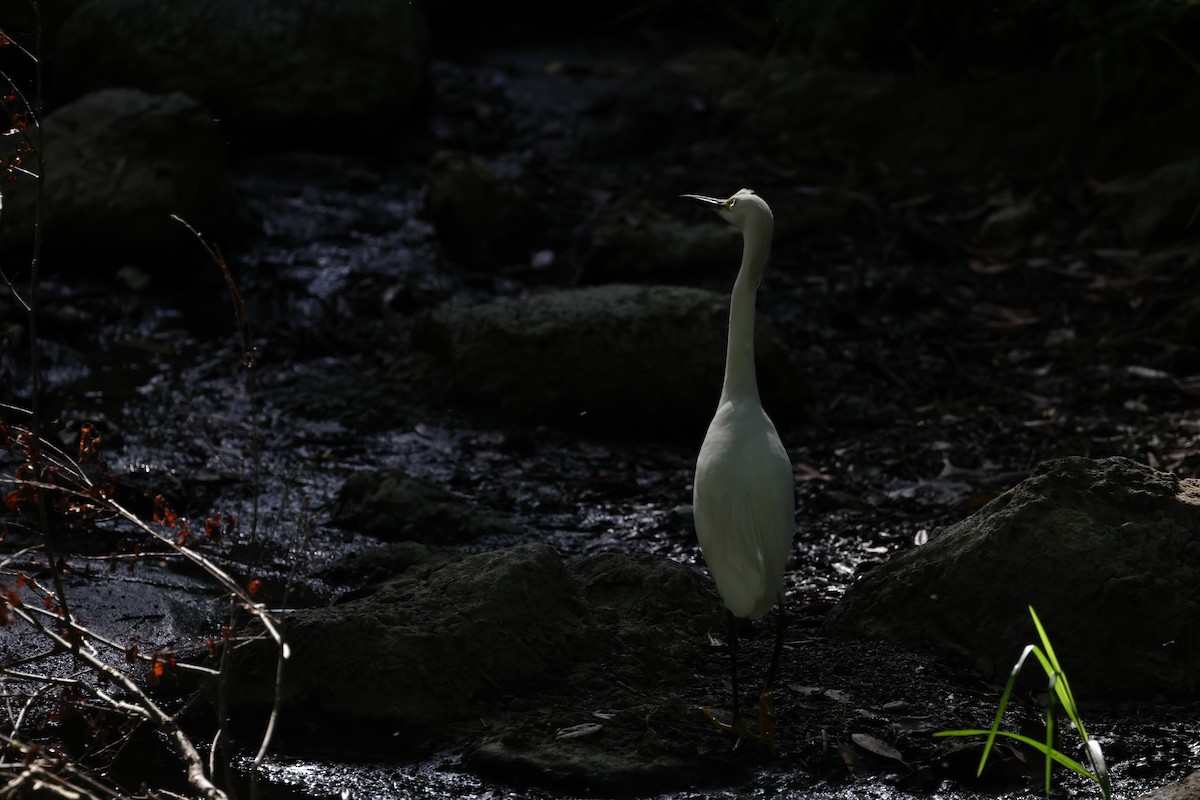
[[744, 210], [751, 215]]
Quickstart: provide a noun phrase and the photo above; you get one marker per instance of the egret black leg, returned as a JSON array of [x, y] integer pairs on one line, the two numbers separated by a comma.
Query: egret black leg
[[779, 626], [735, 725], [766, 702], [766, 706], [733, 667]]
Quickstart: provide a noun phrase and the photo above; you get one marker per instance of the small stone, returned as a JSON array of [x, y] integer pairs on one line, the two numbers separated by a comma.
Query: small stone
[[392, 505]]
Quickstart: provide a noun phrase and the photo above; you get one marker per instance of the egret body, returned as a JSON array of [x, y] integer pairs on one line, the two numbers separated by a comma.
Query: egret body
[[744, 493]]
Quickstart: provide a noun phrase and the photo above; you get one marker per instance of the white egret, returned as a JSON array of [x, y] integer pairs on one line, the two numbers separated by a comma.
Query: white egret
[[744, 494]]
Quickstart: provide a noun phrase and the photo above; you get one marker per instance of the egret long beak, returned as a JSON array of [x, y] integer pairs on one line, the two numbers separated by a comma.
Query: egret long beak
[[707, 201]]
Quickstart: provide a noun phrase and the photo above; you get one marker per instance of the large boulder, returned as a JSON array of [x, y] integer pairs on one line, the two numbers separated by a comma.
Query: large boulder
[[552, 669], [1106, 551], [119, 163], [304, 71], [638, 358], [419, 653]]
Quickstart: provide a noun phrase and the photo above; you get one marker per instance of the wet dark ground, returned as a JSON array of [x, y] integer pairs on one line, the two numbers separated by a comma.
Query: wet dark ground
[[942, 370]]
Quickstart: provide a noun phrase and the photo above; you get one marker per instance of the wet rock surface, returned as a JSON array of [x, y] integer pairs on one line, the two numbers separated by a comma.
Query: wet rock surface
[[1107, 553]]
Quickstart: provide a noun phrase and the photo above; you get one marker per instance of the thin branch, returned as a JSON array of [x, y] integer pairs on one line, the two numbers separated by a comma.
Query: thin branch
[[24, 52], [91, 635], [197, 776]]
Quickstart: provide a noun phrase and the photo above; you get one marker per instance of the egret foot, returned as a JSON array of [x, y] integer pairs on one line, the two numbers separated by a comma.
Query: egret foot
[[766, 721], [738, 727]]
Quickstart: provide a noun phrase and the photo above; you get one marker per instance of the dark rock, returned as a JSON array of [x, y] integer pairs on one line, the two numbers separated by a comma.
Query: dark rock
[[1162, 207], [1106, 551], [636, 239], [400, 561], [420, 654], [1186, 789], [300, 72], [120, 162], [646, 358], [622, 730], [391, 505], [565, 664], [649, 588], [481, 219]]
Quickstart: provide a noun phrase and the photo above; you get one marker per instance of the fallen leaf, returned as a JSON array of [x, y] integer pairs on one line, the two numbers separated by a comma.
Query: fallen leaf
[[807, 472], [1011, 318], [578, 731], [876, 746]]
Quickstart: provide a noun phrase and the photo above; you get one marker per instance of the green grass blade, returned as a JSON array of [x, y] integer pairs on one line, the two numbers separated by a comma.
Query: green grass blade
[[1041, 747], [1061, 758], [1062, 687], [1037, 623], [1008, 687], [1058, 692], [1050, 690], [1100, 767]]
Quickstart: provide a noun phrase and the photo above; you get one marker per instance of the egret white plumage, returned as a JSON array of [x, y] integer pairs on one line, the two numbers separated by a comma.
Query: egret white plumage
[[744, 493]]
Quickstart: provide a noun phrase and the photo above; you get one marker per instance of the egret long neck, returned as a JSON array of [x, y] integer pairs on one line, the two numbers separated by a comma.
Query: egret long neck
[[741, 381]]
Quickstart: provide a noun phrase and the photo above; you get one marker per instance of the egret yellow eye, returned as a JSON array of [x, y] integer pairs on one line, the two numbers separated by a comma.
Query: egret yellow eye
[[730, 203]]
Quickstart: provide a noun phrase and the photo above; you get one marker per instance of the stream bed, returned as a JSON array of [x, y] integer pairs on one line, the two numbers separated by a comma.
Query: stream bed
[[938, 382]]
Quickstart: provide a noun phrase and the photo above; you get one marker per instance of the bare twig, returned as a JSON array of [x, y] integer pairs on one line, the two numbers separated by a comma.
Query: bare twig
[[49, 470], [249, 361], [143, 704]]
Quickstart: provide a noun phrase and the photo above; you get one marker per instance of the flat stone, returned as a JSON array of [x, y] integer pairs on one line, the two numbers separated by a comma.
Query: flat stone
[[644, 358]]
